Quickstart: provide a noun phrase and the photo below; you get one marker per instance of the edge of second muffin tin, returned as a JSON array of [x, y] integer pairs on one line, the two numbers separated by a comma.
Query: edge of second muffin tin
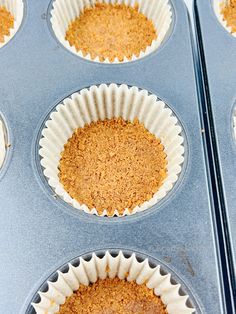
[[218, 216]]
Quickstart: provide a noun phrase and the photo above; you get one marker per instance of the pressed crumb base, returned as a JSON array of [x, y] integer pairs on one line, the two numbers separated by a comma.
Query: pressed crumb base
[[6, 23], [111, 31], [229, 14], [113, 296], [112, 164]]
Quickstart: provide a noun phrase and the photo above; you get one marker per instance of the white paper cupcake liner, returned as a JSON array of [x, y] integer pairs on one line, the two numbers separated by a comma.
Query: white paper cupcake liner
[[16, 8], [65, 11], [107, 102], [123, 267], [2, 144], [218, 5]]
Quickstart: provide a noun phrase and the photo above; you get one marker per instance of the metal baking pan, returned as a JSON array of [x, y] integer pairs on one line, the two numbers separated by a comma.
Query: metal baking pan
[[218, 48], [40, 233]]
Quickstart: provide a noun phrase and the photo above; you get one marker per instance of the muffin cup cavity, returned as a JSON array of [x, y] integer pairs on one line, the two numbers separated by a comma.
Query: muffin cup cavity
[[107, 102], [218, 5], [2, 143], [158, 11], [122, 266], [16, 8], [234, 123]]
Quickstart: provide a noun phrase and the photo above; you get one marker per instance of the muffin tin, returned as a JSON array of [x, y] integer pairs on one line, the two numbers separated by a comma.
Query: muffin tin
[[40, 232], [218, 64]]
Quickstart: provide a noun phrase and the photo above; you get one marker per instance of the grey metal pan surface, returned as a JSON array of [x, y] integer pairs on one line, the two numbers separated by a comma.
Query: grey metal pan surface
[[218, 61], [40, 233]]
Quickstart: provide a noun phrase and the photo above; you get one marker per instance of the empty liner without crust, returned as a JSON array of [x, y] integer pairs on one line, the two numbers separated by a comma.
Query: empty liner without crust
[[218, 5], [158, 11], [107, 102], [122, 266], [16, 8]]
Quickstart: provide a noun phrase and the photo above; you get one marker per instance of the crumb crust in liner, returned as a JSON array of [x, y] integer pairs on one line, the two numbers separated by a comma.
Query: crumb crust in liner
[[111, 31], [16, 9], [229, 15], [113, 296], [157, 11], [7, 23], [111, 101], [219, 6], [112, 164], [121, 266]]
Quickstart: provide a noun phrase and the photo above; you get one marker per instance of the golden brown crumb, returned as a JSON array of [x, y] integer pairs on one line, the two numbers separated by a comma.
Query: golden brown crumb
[[112, 164], [110, 31], [229, 13], [6, 23], [113, 296]]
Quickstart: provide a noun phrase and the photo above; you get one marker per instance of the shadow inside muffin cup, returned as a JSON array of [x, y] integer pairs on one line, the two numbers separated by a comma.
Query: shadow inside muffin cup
[[218, 6], [107, 102], [16, 9], [159, 12], [110, 264]]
